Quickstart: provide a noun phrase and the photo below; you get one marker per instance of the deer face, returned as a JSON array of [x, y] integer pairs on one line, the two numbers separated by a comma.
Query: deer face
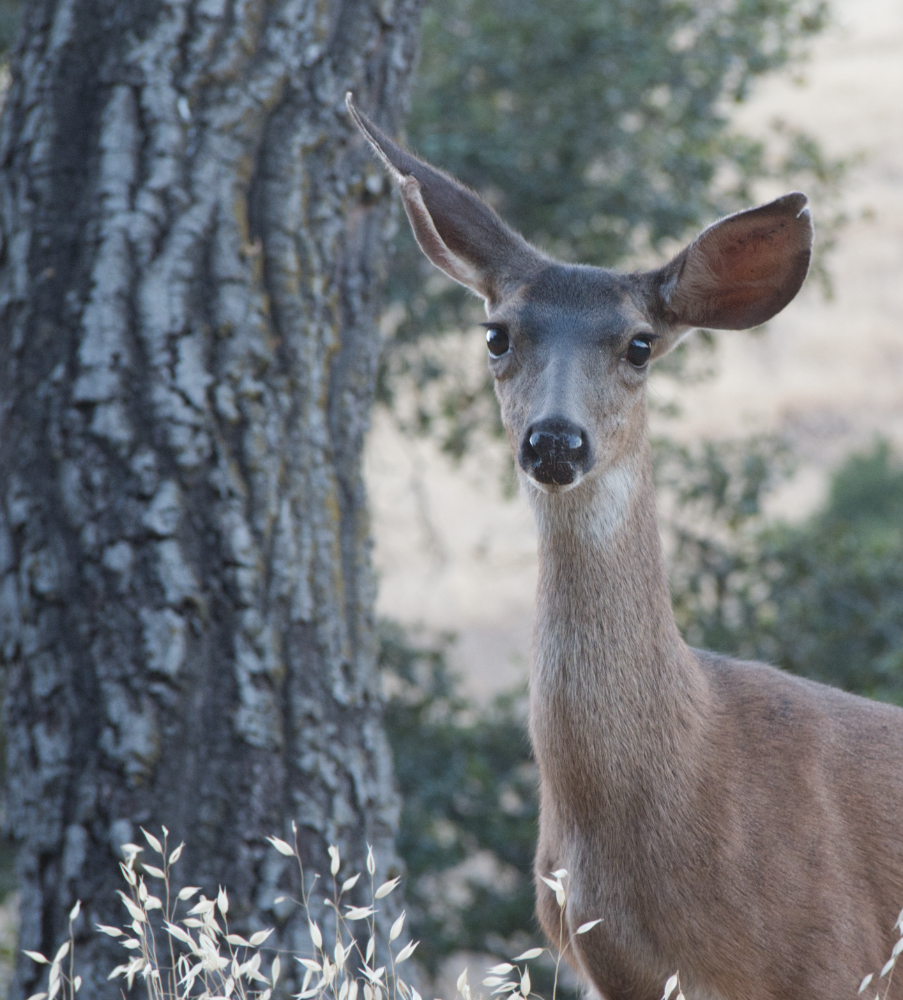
[[570, 352]]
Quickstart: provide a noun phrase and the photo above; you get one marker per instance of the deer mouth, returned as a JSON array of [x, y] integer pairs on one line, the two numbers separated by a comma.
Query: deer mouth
[[553, 473]]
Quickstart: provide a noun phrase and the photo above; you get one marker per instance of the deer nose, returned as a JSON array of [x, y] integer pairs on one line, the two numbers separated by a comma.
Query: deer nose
[[555, 452]]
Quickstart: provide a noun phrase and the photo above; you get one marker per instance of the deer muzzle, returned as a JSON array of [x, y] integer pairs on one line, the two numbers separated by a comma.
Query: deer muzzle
[[555, 452]]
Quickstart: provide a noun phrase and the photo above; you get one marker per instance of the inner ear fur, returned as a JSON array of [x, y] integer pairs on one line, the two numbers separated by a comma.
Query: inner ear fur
[[740, 271]]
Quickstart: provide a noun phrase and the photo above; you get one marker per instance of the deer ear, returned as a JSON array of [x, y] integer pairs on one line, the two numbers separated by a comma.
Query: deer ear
[[741, 271], [456, 230]]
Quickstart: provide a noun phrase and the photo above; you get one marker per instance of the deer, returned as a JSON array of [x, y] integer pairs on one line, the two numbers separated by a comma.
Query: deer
[[718, 818]]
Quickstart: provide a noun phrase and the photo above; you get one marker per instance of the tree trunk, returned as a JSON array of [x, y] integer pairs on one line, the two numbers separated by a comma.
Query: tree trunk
[[191, 239]]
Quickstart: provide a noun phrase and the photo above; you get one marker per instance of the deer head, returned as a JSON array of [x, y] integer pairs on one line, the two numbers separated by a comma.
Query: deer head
[[569, 345]]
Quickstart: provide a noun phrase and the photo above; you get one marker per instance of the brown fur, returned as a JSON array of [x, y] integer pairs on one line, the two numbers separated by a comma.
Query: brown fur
[[722, 818]]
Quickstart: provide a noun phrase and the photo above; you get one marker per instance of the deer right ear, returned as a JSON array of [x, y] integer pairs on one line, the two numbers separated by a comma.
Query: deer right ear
[[456, 230], [741, 271]]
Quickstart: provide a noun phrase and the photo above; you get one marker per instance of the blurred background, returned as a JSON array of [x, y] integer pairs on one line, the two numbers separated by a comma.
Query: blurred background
[[610, 132], [456, 552]]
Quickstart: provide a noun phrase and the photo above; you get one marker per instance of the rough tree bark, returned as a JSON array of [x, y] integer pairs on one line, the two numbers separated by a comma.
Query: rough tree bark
[[191, 237]]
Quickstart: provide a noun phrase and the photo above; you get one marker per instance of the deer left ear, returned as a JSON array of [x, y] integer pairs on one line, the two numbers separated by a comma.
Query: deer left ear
[[456, 230], [741, 271]]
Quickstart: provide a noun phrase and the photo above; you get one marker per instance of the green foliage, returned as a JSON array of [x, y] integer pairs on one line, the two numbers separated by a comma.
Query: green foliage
[[835, 608], [590, 122], [867, 493], [823, 599], [469, 796], [712, 499]]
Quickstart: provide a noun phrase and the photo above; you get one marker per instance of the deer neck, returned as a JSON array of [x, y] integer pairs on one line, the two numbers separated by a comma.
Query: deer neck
[[614, 688]]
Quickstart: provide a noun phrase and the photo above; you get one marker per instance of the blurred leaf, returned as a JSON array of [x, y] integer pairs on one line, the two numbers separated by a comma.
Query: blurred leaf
[[823, 598], [469, 792]]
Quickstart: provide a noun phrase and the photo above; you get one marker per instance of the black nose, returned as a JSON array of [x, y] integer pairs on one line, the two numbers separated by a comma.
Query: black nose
[[555, 451]]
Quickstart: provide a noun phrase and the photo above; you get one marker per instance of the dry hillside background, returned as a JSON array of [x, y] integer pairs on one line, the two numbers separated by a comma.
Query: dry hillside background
[[453, 554]]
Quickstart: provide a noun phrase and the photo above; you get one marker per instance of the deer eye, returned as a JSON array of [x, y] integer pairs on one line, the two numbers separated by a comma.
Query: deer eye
[[639, 351], [497, 341]]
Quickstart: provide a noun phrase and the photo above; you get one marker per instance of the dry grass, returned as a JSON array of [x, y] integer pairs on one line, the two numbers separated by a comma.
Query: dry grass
[[180, 945], [883, 989]]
